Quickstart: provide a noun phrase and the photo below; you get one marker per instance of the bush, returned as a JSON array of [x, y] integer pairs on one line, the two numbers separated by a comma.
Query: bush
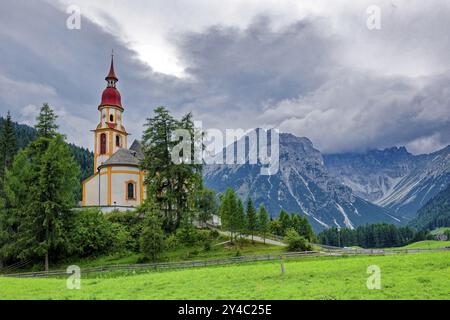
[[214, 234], [207, 245], [92, 234], [132, 222], [296, 242], [172, 242]]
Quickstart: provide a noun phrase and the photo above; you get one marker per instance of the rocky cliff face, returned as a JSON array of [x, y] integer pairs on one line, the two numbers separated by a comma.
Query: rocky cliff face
[[393, 178], [302, 184]]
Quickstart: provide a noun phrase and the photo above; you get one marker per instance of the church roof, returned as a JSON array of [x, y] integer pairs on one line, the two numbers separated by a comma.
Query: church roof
[[132, 156]]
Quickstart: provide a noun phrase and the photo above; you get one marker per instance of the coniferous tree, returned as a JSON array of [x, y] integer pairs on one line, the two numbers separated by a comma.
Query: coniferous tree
[[8, 146], [285, 221], [52, 195], [252, 218], [240, 218], [171, 186], [263, 221], [46, 122], [207, 205], [40, 192]]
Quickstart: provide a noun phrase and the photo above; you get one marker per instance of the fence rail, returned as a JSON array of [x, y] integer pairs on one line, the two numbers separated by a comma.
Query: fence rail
[[220, 262]]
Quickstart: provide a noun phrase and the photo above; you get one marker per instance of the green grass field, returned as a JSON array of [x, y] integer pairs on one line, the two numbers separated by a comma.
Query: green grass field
[[403, 276]]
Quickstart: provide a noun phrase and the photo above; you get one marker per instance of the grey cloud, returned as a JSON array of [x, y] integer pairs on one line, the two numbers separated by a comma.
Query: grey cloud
[[295, 77]]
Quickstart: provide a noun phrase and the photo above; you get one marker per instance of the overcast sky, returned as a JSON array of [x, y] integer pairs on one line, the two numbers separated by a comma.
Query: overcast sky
[[308, 67]]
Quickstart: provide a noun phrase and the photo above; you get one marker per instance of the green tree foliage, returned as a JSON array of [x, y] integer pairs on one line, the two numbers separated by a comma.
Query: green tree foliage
[[8, 147], [240, 218], [435, 213], [132, 223], [91, 233], [286, 222], [152, 237], [379, 235], [187, 234], [252, 218], [276, 227], [171, 186], [46, 122], [296, 242], [263, 221], [39, 193], [227, 211], [207, 205]]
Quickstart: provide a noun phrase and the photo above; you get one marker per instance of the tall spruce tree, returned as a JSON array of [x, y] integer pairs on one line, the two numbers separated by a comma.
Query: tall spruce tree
[[8, 147], [252, 219], [46, 122]]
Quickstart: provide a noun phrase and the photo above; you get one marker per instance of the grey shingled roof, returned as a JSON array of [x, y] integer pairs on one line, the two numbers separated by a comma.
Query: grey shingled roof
[[131, 156]]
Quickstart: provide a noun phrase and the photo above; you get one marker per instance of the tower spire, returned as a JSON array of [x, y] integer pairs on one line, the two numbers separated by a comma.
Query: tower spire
[[111, 77]]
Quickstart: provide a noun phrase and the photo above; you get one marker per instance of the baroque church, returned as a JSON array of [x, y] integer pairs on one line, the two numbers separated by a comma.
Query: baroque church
[[117, 181]]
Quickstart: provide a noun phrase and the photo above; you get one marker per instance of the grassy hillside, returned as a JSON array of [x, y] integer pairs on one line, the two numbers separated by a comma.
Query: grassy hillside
[[429, 244], [438, 231], [409, 276], [197, 252]]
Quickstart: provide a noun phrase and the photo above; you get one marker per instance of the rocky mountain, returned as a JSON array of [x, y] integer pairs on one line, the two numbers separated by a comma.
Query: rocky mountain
[[302, 184], [393, 178]]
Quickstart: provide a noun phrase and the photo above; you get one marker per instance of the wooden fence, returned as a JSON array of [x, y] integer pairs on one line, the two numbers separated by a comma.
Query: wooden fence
[[220, 262]]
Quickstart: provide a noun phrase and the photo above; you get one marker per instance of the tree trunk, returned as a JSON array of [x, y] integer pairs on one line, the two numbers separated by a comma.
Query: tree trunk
[[46, 262]]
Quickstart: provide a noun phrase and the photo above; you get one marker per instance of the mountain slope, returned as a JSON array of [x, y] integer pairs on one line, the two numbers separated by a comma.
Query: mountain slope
[[435, 213], [393, 178], [302, 184]]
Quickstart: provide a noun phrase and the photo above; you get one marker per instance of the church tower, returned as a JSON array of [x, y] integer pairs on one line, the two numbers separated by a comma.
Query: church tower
[[110, 134]]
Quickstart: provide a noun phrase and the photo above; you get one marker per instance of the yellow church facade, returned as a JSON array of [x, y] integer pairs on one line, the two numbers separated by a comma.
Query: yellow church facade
[[117, 181]]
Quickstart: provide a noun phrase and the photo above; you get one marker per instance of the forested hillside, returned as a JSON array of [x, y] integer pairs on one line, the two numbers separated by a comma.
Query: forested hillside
[[435, 213], [85, 158]]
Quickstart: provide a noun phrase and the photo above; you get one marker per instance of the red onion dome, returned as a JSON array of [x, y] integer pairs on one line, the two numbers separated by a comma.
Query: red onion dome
[[111, 97]]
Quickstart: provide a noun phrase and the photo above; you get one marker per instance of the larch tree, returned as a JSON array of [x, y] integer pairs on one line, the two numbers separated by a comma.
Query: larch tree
[[263, 221], [43, 194]]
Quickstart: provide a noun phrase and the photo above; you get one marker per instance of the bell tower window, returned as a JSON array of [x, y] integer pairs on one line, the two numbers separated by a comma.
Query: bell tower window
[[118, 141], [103, 143], [111, 118]]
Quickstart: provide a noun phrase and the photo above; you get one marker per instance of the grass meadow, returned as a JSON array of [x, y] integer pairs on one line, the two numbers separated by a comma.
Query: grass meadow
[[403, 276]]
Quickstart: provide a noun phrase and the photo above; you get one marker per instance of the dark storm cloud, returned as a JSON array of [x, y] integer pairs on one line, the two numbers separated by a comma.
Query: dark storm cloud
[[295, 77]]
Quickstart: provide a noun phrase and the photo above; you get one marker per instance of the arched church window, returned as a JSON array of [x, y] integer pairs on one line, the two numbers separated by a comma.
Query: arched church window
[[111, 118], [130, 191], [117, 141], [103, 143]]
